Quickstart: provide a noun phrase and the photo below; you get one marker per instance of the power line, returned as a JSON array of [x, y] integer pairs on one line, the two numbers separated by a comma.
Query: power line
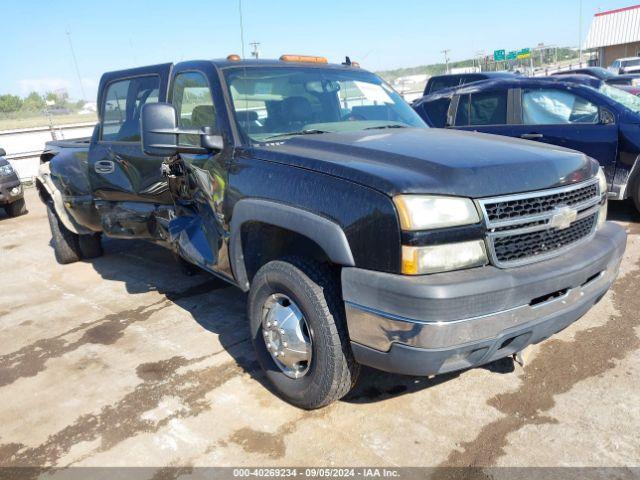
[[75, 62]]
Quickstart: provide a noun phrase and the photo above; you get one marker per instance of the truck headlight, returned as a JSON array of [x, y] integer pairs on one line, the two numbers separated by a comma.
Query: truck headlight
[[602, 182], [443, 258], [635, 82], [424, 212], [6, 170]]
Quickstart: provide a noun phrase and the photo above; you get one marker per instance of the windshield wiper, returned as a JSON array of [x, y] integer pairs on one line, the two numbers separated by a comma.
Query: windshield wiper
[[312, 131], [391, 125]]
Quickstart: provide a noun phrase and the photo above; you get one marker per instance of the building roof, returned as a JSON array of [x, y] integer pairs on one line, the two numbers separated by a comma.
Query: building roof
[[614, 27]]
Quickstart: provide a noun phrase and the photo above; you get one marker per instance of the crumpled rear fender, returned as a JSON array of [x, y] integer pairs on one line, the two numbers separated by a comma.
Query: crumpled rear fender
[[50, 193]]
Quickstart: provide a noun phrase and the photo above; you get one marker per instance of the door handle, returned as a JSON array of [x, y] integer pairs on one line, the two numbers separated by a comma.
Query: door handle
[[531, 136], [104, 167]]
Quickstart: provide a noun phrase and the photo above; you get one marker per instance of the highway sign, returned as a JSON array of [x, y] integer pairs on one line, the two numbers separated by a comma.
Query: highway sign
[[524, 53], [499, 55]]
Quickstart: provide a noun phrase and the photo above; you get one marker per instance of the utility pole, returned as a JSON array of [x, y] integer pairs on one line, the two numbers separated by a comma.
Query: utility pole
[[255, 53], [479, 58], [75, 62], [446, 59], [580, 31]]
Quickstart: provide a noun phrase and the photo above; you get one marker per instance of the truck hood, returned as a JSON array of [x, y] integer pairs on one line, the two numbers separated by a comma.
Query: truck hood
[[448, 162]]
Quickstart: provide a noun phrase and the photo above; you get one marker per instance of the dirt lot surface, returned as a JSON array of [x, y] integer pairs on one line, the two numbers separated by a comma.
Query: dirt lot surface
[[124, 360]]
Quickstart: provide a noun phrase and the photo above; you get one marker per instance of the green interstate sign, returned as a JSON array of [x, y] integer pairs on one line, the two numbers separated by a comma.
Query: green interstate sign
[[524, 53], [499, 55]]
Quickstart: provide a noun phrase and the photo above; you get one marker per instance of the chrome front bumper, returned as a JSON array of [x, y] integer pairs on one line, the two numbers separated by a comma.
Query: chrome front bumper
[[460, 319]]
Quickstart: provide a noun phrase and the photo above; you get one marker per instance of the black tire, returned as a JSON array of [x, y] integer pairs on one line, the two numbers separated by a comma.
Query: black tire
[[636, 193], [332, 372], [65, 243], [90, 245], [17, 208]]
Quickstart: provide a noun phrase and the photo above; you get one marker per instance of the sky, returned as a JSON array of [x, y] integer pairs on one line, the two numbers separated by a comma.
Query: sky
[[35, 53]]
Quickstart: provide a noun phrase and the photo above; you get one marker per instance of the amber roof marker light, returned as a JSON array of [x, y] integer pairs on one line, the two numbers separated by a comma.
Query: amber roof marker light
[[303, 59], [233, 57]]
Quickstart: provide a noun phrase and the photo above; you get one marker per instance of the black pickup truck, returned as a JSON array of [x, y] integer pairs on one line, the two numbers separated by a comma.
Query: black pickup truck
[[362, 236]]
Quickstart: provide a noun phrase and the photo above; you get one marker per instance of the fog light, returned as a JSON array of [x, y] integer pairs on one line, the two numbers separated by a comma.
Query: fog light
[[16, 191]]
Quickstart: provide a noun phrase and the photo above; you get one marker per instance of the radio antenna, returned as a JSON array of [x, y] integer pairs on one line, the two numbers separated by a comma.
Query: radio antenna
[[241, 27]]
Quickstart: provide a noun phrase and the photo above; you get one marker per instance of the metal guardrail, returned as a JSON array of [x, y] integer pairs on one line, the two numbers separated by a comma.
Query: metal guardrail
[[25, 145]]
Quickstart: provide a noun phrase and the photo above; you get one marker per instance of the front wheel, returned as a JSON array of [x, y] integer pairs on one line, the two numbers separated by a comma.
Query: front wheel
[[298, 330]]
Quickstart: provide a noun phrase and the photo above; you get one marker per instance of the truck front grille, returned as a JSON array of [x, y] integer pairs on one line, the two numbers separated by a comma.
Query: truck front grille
[[513, 248], [523, 207], [529, 227]]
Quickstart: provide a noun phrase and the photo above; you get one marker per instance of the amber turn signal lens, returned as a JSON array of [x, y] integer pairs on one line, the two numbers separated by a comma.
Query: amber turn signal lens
[[233, 57], [303, 58]]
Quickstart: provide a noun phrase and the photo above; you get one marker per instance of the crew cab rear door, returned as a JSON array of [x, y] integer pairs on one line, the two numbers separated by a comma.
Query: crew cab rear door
[[119, 171]]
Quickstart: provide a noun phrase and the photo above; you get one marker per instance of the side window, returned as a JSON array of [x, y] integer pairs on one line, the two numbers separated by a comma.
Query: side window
[[437, 111], [556, 107], [443, 82], [470, 78], [194, 105], [122, 105], [462, 115], [487, 108]]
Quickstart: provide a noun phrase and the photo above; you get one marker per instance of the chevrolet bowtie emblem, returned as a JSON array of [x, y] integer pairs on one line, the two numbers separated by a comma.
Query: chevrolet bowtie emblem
[[562, 217]]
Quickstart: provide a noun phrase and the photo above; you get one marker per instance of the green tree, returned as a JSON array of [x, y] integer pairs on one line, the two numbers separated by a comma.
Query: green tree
[[10, 103], [33, 103]]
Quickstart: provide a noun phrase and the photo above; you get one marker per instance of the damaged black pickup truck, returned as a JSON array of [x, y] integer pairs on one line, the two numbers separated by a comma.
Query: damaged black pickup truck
[[362, 237]]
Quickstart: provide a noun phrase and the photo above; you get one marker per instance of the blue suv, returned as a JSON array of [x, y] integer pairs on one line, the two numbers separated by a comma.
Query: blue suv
[[583, 114]]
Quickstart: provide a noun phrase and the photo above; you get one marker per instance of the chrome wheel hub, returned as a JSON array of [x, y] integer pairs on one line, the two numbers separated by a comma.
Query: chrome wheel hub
[[286, 335]]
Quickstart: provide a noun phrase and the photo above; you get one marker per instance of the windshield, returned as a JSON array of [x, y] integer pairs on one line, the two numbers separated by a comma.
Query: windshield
[[280, 102], [625, 98]]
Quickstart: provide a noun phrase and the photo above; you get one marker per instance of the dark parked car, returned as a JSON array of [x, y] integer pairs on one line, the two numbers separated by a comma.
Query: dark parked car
[[360, 235], [596, 72], [584, 114], [11, 194], [629, 80], [438, 82]]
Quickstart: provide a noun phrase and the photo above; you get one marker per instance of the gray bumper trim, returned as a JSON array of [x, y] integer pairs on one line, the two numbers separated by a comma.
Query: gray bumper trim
[[449, 314]]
